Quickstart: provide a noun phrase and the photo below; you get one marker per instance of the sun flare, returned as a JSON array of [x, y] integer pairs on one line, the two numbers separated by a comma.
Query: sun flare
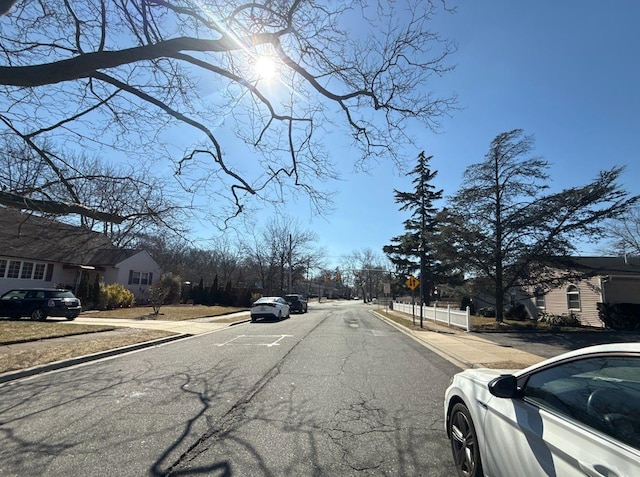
[[265, 68]]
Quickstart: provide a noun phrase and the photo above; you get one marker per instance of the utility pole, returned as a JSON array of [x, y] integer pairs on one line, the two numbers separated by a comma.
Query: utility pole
[[290, 267], [423, 225]]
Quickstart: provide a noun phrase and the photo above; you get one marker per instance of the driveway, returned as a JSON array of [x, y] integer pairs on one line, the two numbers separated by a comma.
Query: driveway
[[549, 344]]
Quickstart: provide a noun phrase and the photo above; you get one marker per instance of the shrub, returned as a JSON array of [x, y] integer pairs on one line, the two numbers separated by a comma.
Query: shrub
[[620, 316], [517, 312], [115, 296], [467, 302], [166, 291], [559, 320], [487, 312]]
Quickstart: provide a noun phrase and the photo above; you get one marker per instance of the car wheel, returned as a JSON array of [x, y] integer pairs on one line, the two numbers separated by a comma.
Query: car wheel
[[253, 319], [280, 315], [38, 315], [464, 442], [71, 318]]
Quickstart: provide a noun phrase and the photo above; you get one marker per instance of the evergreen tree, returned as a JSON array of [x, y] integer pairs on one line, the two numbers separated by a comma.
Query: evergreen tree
[[199, 295], [214, 293], [506, 233], [412, 250]]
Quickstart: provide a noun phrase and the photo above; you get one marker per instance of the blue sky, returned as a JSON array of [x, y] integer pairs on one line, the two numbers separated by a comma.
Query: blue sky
[[566, 72]]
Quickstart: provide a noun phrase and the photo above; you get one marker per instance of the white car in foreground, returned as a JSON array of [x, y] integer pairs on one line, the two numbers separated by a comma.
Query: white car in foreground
[[273, 307], [577, 414]]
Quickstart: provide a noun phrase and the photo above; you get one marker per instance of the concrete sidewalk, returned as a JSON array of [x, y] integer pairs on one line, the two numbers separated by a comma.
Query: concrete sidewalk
[[464, 349], [188, 327]]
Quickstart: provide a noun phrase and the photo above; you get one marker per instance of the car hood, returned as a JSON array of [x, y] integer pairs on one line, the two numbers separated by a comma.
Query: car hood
[[484, 375]]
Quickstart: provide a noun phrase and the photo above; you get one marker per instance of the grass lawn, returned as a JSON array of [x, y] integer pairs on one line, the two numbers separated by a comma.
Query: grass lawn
[[21, 331], [89, 339]]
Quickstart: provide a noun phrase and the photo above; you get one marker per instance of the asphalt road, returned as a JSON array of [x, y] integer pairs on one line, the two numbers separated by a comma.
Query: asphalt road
[[335, 391]]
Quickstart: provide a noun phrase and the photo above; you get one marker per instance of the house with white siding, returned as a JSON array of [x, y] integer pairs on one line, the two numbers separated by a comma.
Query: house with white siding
[[613, 280], [38, 251]]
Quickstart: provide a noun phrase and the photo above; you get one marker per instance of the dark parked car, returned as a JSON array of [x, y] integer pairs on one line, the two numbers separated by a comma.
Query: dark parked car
[[297, 303], [38, 303]]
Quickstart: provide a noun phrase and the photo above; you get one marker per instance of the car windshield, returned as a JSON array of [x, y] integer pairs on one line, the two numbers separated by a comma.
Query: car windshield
[[62, 294], [265, 299], [13, 294]]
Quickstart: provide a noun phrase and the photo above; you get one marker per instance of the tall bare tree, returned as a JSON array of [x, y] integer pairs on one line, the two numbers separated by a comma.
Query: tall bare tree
[[114, 189], [282, 254], [367, 270], [171, 82], [624, 234]]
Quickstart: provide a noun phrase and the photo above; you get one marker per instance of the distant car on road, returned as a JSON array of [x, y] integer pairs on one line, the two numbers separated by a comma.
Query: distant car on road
[[273, 307], [575, 414], [39, 303], [296, 303]]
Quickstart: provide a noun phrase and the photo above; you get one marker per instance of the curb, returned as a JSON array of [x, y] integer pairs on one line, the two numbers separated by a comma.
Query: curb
[[43, 368], [460, 363]]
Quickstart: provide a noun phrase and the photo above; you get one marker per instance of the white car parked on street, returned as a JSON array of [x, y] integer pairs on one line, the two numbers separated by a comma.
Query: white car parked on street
[[273, 307], [573, 415]]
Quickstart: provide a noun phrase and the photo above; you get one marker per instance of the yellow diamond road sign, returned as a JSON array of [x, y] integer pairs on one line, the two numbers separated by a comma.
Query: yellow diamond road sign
[[412, 282]]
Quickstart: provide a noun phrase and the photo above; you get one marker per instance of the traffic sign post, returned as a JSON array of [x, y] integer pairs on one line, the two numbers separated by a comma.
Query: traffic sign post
[[413, 283]]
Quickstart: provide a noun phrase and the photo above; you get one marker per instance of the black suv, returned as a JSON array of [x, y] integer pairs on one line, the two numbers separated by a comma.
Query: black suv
[[38, 303], [296, 303]]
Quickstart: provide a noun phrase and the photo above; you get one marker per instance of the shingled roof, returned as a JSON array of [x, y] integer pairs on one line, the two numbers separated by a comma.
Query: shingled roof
[[32, 237], [607, 265]]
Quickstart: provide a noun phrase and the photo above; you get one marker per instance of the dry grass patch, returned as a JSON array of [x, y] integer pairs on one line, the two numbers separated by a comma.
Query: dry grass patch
[[168, 313], [406, 322], [41, 352], [21, 331]]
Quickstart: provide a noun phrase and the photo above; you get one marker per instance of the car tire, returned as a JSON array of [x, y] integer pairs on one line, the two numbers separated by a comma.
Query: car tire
[[38, 315], [280, 315], [464, 442], [253, 319], [71, 318]]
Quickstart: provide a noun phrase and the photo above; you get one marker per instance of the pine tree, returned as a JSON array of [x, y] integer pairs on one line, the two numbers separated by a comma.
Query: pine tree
[[411, 251], [507, 234]]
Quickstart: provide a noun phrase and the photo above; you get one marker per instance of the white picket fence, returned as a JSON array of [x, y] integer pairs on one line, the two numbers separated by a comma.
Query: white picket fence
[[458, 318]]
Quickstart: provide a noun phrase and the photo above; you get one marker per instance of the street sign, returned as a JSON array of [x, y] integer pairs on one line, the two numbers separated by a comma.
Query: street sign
[[412, 282]]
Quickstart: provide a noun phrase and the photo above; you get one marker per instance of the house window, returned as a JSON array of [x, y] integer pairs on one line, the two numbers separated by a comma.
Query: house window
[[3, 268], [134, 278], [140, 278], [539, 296], [14, 269], [27, 270], [38, 274], [573, 297]]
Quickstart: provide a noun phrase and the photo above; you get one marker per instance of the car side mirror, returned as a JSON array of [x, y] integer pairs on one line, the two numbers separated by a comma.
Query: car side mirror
[[504, 386]]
